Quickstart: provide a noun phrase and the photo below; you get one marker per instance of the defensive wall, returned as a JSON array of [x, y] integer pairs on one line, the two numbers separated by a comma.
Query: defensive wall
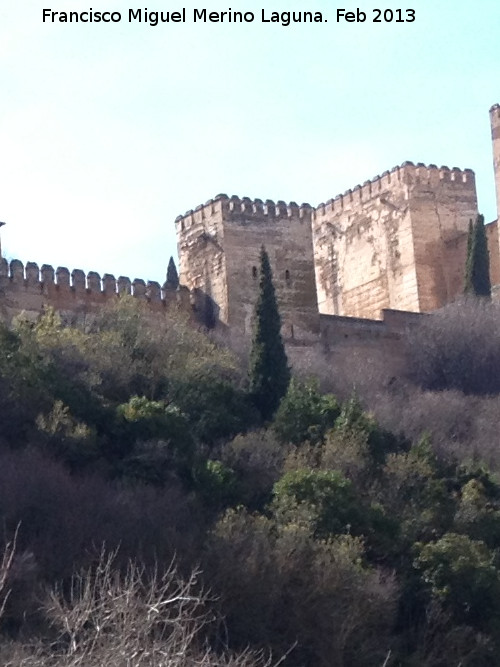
[[394, 325], [32, 290], [349, 274], [75, 296]]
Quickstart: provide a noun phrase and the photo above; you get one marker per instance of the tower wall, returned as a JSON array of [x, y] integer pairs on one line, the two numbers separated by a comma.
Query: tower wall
[[364, 250], [442, 202], [219, 247], [285, 231], [493, 245], [387, 244], [495, 136], [202, 260]]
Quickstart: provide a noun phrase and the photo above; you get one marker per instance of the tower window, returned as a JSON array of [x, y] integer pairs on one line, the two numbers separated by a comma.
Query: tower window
[[254, 272], [287, 275]]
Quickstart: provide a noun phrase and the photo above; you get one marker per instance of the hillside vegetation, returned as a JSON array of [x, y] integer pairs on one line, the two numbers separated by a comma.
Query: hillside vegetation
[[151, 516]]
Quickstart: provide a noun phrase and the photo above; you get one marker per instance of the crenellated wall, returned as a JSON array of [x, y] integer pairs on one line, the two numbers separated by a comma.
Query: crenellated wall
[[384, 243], [32, 289], [219, 247]]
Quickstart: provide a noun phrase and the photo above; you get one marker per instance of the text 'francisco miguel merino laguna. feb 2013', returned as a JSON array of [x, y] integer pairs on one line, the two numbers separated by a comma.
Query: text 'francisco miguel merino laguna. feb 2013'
[[154, 18]]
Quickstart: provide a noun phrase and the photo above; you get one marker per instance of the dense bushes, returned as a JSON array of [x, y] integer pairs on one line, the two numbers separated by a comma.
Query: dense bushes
[[305, 414], [331, 535], [281, 587], [458, 347]]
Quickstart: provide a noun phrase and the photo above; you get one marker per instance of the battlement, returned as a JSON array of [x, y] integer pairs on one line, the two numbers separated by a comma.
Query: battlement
[[408, 173], [31, 289], [234, 207], [495, 112], [76, 281], [256, 208]]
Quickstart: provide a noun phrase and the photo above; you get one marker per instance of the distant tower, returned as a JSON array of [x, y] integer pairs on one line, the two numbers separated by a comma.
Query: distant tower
[[1, 225], [495, 135]]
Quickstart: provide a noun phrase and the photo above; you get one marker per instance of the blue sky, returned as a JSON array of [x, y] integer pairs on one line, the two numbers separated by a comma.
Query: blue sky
[[109, 131]]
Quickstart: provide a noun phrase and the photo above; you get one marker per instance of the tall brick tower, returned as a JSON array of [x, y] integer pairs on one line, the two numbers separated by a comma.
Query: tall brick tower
[[495, 135]]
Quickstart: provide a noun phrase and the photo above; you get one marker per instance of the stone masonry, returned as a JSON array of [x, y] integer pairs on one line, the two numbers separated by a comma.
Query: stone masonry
[[385, 244], [219, 246]]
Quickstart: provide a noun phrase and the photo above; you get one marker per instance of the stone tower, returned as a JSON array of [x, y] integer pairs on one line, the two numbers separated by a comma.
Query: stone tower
[[219, 246], [495, 135], [394, 242]]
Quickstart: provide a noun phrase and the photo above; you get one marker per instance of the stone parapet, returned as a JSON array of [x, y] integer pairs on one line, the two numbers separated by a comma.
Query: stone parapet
[[32, 289], [407, 173], [234, 207]]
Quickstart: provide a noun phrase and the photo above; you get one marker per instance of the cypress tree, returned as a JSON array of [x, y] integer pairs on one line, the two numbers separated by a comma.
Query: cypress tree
[[468, 259], [172, 275], [269, 371], [477, 268]]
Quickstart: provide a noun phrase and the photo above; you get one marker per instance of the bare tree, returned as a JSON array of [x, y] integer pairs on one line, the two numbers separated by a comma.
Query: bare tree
[[135, 619], [130, 618]]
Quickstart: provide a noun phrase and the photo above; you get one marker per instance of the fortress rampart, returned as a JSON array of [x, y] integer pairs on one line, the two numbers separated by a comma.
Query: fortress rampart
[[354, 271], [32, 289]]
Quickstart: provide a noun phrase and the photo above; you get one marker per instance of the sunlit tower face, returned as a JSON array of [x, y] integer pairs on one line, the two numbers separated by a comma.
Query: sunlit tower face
[[495, 136]]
